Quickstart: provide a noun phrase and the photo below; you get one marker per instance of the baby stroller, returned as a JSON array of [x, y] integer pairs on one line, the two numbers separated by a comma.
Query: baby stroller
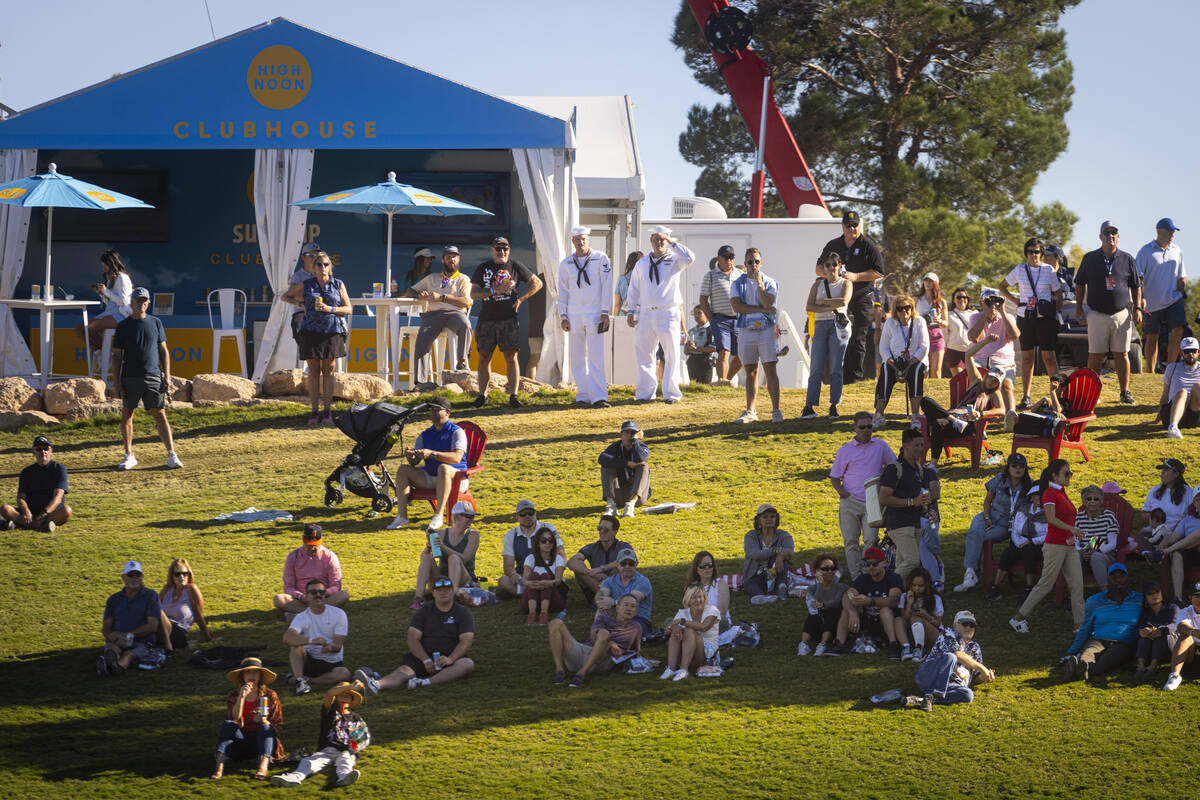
[[375, 429]]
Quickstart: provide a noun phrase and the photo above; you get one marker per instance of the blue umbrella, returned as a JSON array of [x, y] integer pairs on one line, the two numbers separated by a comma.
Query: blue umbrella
[[52, 190], [390, 198]]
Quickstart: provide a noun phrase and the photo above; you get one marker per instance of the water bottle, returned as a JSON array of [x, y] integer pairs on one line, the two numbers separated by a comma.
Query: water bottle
[[394, 289], [562, 614], [434, 547], [436, 655], [890, 696]]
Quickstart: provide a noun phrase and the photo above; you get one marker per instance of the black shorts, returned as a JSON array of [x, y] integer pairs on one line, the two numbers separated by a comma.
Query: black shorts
[[497, 334], [1038, 332], [315, 667], [315, 346], [144, 389], [415, 664]]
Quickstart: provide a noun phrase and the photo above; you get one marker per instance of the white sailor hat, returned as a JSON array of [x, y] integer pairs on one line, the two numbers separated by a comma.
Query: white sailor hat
[[581, 230], [661, 230]]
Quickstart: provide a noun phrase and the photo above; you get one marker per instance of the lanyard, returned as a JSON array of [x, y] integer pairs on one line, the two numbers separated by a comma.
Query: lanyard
[[908, 336], [447, 278]]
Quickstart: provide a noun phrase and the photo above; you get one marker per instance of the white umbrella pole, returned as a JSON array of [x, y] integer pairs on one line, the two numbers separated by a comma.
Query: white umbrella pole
[[49, 231], [387, 276]]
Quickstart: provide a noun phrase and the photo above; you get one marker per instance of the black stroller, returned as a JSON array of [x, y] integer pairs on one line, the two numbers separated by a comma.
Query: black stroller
[[375, 429]]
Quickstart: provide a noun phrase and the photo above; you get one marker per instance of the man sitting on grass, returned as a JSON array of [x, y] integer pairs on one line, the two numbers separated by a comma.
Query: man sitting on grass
[[311, 561], [315, 637], [596, 562], [518, 543], [1187, 629], [41, 490], [131, 620], [611, 637], [871, 603], [627, 581], [1109, 633], [954, 662]]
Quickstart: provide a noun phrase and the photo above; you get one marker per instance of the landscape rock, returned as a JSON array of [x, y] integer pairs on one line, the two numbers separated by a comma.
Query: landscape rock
[[221, 388], [256, 401], [15, 420], [530, 386], [94, 408], [16, 394], [452, 388], [302, 399], [211, 403], [181, 390], [61, 397], [284, 382], [360, 387], [468, 381]]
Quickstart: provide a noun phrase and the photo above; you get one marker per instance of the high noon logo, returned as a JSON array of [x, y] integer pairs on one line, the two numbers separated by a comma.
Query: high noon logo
[[11, 193], [279, 77], [102, 197]]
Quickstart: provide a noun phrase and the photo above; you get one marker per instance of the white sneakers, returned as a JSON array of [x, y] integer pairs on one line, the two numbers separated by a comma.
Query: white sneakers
[[680, 674], [415, 682], [914, 422], [777, 415], [970, 579], [1173, 432], [437, 521], [763, 599], [820, 651], [1010, 419], [129, 462], [879, 421], [748, 416], [1018, 625], [629, 509], [173, 461], [399, 522], [668, 673], [1173, 682], [286, 779], [610, 509], [906, 653], [804, 649]]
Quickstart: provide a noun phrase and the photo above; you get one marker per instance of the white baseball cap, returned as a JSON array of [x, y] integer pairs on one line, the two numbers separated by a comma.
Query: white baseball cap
[[1189, 343], [132, 566]]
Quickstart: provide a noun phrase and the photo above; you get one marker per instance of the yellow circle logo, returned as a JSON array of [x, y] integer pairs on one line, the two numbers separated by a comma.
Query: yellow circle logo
[[333, 198], [428, 198], [9, 194], [279, 77], [102, 197]]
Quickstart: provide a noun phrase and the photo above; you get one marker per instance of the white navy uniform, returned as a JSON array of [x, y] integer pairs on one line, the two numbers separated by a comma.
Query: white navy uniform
[[656, 304], [585, 292]]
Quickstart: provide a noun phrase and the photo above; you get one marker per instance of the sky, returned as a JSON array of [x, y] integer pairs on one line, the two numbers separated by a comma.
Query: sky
[[1130, 157]]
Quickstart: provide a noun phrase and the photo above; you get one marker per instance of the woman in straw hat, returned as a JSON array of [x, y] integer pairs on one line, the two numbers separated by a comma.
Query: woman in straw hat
[[341, 737], [253, 719]]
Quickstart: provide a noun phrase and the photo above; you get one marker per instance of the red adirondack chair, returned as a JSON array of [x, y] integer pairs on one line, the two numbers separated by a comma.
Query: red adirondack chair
[[1124, 514], [973, 441], [476, 442], [1083, 392]]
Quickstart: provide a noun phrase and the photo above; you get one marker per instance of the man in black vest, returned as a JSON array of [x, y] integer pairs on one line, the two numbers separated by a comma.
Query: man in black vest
[[864, 266]]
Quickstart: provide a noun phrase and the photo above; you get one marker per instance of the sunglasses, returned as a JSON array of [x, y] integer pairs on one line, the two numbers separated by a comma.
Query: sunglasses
[[849, 224], [443, 585], [754, 261], [872, 563], [628, 563], [545, 541], [500, 247], [967, 624], [904, 308], [181, 574], [134, 574], [526, 513], [862, 427], [1033, 252], [709, 565], [962, 297], [1109, 233], [317, 592], [42, 447], [826, 569]]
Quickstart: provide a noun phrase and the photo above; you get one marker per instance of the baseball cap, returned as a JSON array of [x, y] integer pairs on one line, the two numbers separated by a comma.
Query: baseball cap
[[524, 505], [499, 240], [1017, 460], [1195, 588], [424, 252], [442, 582], [874, 554], [1107, 225], [998, 374], [931, 276], [629, 425], [850, 218], [1112, 487], [440, 402], [312, 533], [142, 292], [313, 247], [132, 566], [581, 230], [1171, 463], [1167, 224], [626, 554], [1052, 250], [41, 441], [1189, 343], [1151, 586], [1117, 567], [964, 616], [464, 507], [449, 249], [725, 251], [764, 508]]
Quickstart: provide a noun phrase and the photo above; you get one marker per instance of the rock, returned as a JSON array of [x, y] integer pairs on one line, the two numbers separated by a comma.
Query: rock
[[256, 401], [359, 386], [530, 386], [210, 403], [464, 379], [452, 388], [15, 420], [284, 382], [181, 390], [566, 385], [221, 388], [94, 409], [180, 404], [302, 399], [61, 397], [16, 394]]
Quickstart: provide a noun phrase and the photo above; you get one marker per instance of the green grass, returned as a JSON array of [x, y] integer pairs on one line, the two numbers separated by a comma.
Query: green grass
[[774, 725]]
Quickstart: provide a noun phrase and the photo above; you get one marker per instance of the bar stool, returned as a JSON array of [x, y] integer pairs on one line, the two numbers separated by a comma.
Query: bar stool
[[227, 302]]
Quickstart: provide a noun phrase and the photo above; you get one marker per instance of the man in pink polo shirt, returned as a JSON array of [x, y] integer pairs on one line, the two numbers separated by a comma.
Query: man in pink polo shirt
[[856, 462], [311, 561]]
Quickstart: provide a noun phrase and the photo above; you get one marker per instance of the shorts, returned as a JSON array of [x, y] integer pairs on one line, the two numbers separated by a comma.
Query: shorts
[[318, 346], [146, 389], [1010, 368], [416, 665], [724, 332], [575, 656], [316, 667], [497, 334], [1038, 332], [757, 346], [1165, 320], [430, 481], [937, 340], [1109, 333]]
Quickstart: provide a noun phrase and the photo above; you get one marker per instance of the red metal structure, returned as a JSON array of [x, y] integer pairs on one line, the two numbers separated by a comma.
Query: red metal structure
[[727, 32]]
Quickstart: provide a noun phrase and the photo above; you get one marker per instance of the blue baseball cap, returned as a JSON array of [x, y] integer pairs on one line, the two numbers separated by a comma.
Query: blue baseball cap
[[1117, 567], [1167, 224], [1106, 226]]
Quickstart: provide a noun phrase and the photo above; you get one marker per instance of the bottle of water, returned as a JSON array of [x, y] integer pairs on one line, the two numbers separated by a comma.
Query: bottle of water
[[436, 655]]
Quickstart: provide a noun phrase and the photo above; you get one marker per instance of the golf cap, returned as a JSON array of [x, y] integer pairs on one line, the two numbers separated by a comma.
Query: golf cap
[[312, 533], [1189, 343], [141, 292], [626, 554], [998, 374], [424, 252], [764, 508], [41, 441], [1117, 567], [449, 249], [660, 230], [1107, 226], [1053, 250], [1112, 487], [1172, 464], [1194, 590], [629, 425], [964, 616], [1151, 587], [931, 276], [850, 218], [465, 508], [1167, 224], [443, 583], [581, 230], [725, 251], [440, 402], [499, 240], [1017, 460], [874, 554], [313, 247], [526, 505], [132, 566]]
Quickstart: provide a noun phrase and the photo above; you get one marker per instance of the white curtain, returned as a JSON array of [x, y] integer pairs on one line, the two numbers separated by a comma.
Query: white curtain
[[548, 186], [14, 233], [280, 177]]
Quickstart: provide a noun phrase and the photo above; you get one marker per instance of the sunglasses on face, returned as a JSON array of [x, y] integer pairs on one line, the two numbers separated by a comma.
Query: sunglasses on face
[[872, 563], [317, 592], [181, 574], [545, 541], [526, 513], [501, 248], [862, 427], [849, 224], [134, 574], [961, 297], [628, 563], [904, 308], [705, 566], [754, 261], [1033, 252], [826, 569], [966, 624], [43, 447]]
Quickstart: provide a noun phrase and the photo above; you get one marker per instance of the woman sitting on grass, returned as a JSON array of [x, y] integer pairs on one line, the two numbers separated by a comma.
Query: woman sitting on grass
[[458, 544], [1155, 639], [182, 605], [545, 590], [704, 574], [769, 552], [827, 622], [921, 613], [253, 719], [1028, 535], [692, 637]]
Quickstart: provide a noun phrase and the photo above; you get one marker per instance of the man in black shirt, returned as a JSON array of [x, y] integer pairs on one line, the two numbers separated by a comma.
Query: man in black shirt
[[1107, 281], [495, 283], [41, 490], [864, 266], [144, 369], [907, 488]]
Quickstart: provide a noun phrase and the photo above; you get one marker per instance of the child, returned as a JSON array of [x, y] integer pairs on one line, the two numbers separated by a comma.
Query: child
[[1028, 534], [1146, 543], [543, 579], [340, 739], [1155, 639], [921, 611]]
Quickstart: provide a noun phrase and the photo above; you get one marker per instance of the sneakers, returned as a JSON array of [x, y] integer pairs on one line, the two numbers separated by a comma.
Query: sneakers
[[461, 365], [327, 417], [107, 664], [959, 424], [833, 412], [927, 703], [363, 676], [349, 778], [314, 418], [601, 404], [543, 619], [480, 401], [906, 653], [748, 416], [286, 779], [917, 701], [667, 674], [969, 581], [763, 599], [781, 589], [629, 512], [1018, 625], [1173, 431], [531, 619], [559, 678], [820, 651], [835, 649], [129, 462], [914, 422], [1025, 404], [399, 522], [808, 413], [1010, 419], [576, 682], [777, 415], [918, 654], [9, 525], [993, 594], [804, 649], [515, 402], [173, 461], [670, 400], [416, 604], [415, 682], [437, 522], [610, 509], [302, 686], [1127, 397], [680, 675], [1173, 682], [879, 422]]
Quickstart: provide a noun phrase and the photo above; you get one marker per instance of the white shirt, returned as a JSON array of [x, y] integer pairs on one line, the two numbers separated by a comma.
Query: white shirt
[[645, 294], [509, 546], [329, 623], [575, 294], [1187, 614], [1175, 512], [710, 637], [1044, 276], [836, 288], [531, 563], [895, 339], [117, 298], [957, 325], [939, 609]]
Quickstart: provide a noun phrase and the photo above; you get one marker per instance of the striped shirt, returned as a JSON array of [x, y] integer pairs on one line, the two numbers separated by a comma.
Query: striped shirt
[[1044, 276], [715, 285], [1099, 533]]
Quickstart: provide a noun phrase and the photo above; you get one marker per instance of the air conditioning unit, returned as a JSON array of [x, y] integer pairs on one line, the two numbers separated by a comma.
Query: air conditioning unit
[[697, 208]]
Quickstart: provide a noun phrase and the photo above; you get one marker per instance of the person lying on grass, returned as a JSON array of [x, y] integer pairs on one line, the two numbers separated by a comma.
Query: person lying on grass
[[611, 637]]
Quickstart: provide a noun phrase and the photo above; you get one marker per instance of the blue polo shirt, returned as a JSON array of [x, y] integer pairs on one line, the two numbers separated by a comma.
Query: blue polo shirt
[[1105, 618], [128, 612], [1160, 270], [638, 583]]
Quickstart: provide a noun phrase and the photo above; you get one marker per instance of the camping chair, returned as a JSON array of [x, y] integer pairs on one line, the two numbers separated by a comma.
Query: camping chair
[[1124, 514], [476, 442], [973, 441], [1083, 392], [991, 563]]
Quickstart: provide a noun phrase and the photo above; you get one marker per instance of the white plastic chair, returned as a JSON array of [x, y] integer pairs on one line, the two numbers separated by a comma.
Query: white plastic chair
[[227, 303]]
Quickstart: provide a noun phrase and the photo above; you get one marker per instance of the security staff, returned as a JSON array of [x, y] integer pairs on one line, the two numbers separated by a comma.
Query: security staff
[[585, 297], [864, 266]]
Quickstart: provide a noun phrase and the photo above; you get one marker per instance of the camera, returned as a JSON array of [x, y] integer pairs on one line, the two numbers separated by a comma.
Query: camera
[[994, 300]]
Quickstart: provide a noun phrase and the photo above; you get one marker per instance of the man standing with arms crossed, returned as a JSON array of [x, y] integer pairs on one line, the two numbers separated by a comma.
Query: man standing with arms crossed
[[714, 299], [584, 299], [753, 298], [495, 283], [1164, 292], [1107, 281], [864, 266], [654, 311], [856, 462], [144, 367]]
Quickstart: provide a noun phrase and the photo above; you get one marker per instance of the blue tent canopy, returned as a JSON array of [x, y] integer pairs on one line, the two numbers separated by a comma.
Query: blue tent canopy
[[280, 85]]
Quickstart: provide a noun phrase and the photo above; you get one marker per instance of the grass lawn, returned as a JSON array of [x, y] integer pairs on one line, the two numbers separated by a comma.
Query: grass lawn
[[774, 725]]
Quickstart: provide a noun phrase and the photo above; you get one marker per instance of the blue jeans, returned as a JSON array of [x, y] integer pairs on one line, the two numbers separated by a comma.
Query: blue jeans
[[235, 743], [979, 533], [936, 676], [825, 348]]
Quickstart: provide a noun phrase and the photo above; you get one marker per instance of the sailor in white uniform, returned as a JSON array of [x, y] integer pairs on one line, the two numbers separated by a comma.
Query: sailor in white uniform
[[585, 296], [655, 301]]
